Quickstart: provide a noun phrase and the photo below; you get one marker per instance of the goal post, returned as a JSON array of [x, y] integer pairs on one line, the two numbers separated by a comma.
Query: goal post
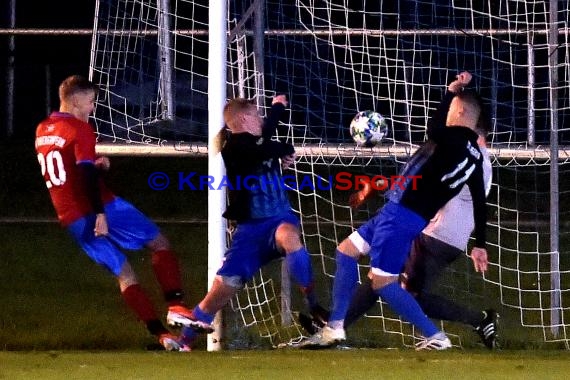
[[334, 58], [216, 197]]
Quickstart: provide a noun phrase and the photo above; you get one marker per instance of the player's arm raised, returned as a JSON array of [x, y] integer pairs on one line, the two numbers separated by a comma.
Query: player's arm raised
[[461, 80], [271, 122], [439, 117]]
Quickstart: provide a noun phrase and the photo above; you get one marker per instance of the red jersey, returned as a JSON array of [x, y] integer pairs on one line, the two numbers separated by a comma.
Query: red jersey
[[62, 142]]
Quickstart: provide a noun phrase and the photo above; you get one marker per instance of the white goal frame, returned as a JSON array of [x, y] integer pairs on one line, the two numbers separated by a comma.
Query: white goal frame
[[218, 40]]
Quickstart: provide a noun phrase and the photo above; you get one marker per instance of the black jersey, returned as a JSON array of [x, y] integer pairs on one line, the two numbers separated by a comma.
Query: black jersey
[[254, 172], [450, 159]]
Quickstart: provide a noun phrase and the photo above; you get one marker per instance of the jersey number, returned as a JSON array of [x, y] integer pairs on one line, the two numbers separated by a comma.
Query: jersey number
[[49, 163]]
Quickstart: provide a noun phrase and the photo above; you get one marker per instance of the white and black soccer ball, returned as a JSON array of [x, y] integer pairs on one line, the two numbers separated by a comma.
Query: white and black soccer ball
[[368, 128]]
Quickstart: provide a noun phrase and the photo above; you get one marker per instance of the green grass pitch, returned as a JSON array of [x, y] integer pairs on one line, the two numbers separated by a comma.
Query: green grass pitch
[[61, 317], [285, 364]]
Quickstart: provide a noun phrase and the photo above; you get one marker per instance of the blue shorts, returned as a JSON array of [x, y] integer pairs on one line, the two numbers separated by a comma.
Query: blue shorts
[[253, 245], [390, 234], [128, 229]]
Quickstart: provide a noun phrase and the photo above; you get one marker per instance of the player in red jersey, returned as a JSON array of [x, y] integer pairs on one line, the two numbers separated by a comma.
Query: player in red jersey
[[100, 222]]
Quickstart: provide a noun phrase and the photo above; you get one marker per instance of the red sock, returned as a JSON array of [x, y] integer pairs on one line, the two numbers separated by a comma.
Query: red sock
[[167, 272], [139, 302]]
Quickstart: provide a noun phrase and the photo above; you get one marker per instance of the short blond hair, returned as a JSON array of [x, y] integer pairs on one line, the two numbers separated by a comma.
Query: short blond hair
[[234, 109], [75, 84]]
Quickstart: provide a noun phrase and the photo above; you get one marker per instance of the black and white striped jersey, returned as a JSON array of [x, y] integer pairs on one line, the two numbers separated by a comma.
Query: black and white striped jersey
[[439, 169]]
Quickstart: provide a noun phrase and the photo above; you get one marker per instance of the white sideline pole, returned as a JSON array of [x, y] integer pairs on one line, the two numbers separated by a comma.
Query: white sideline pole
[[216, 198]]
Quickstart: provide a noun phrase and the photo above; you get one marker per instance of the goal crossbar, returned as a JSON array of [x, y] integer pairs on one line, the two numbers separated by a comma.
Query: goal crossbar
[[289, 32], [322, 150]]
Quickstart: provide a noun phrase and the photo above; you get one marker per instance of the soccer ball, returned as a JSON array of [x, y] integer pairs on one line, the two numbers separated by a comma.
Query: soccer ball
[[368, 128]]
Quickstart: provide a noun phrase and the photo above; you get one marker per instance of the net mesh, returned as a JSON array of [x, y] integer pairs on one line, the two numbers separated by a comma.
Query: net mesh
[[332, 59]]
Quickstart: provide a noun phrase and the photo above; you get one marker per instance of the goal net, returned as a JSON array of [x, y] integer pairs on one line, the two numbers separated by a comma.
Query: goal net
[[332, 59]]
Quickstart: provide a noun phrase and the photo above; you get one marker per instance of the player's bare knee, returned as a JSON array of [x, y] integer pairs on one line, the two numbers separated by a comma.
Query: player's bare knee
[[348, 248], [232, 281], [287, 238], [160, 243], [127, 277]]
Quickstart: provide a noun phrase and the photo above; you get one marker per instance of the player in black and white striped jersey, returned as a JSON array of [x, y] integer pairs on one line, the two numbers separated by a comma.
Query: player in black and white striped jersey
[[449, 160], [440, 243]]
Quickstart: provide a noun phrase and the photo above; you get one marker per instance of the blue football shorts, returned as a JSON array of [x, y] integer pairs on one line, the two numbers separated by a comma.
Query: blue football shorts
[[129, 229], [390, 234], [253, 245]]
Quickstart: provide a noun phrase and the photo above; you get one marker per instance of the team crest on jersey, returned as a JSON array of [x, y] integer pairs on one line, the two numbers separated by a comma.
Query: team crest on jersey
[[259, 141]]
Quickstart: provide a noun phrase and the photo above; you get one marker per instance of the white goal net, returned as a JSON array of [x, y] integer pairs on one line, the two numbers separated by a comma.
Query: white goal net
[[332, 59]]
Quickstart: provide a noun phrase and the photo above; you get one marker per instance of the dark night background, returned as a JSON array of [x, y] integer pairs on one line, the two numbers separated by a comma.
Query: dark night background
[[36, 55]]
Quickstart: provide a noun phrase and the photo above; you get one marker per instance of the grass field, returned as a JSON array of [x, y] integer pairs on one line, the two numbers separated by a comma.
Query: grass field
[[54, 297], [285, 364], [62, 317]]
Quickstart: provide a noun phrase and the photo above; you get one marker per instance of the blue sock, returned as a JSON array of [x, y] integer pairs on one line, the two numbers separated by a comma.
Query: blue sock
[[202, 315], [406, 306], [300, 268], [299, 264], [345, 279]]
